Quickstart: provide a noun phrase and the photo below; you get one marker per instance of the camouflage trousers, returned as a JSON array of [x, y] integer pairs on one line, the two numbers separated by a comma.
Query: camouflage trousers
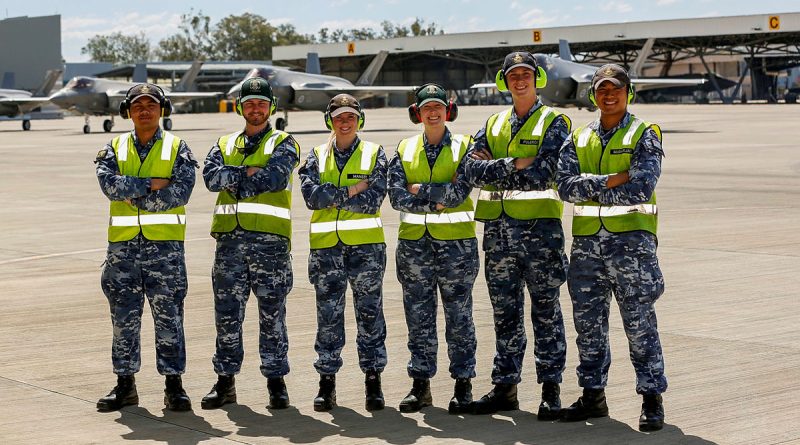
[[155, 269], [423, 266], [534, 258], [246, 262], [625, 265], [330, 270]]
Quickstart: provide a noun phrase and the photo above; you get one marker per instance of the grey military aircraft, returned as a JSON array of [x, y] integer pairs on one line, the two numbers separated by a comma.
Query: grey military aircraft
[[295, 90], [15, 103], [92, 96]]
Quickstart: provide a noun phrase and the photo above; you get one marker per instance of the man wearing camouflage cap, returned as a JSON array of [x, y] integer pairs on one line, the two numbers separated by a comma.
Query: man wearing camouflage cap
[[148, 175], [609, 168], [251, 169], [514, 159]]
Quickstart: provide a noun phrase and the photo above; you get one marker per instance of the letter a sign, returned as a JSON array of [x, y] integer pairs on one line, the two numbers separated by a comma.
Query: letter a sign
[[351, 48]]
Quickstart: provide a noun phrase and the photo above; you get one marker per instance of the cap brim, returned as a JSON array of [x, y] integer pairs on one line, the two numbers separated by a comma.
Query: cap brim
[[254, 96], [526, 65], [155, 99], [617, 83], [341, 110], [429, 100]]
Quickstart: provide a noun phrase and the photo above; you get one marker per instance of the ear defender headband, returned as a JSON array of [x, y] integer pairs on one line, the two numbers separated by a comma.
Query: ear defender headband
[[541, 79], [631, 95], [163, 102], [414, 113], [329, 119]]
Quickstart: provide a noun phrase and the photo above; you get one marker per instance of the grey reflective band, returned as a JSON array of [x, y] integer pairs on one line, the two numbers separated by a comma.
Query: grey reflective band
[[455, 146], [607, 211], [632, 131], [122, 147], [166, 146], [231, 142], [252, 207], [366, 154], [498, 124], [411, 149], [517, 195], [353, 224], [147, 220], [269, 147], [583, 138], [539, 128], [436, 218]]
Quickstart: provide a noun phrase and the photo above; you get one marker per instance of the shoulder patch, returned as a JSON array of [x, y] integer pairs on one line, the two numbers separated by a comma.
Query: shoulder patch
[[102, 153]]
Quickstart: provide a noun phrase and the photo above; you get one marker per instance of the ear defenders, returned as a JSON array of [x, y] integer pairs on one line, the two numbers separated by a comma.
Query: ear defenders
[[414, 113], [541, 79], [329, 119], [631, 95], [164, 103], [272, 106]]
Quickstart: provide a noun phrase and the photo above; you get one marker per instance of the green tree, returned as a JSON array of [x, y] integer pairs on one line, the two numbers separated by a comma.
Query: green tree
[[193, 42], [243, 37], [118, 48], [418, 28]]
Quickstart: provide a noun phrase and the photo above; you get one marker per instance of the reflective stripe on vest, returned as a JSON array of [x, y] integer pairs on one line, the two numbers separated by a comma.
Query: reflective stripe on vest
[[268, 212], [125, 220], [331, 226], [451, 223], [594, 159], [522, 205]]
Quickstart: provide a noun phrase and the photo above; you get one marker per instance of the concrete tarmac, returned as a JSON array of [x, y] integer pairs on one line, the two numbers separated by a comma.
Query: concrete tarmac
[[729, 319]]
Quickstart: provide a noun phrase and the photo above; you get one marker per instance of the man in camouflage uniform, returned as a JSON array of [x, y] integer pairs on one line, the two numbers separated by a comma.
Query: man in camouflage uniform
[[148, 175], [344, 183], [437, 248], [609, 169], [514, 159], [252, 171]]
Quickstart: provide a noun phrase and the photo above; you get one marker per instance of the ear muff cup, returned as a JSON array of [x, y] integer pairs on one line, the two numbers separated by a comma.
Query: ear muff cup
[[631, 95], [541, 79], [413, 114], [329, 120], [164, 103]]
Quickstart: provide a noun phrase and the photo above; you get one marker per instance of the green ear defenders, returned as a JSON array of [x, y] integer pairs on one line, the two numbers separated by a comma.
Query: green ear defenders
[[343, 100], [631, 95], [329, 120], [163, 101], [541, 79]]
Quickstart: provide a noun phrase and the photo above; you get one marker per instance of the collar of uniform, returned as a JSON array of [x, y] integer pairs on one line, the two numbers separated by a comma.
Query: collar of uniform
[[517, 119], [349, 149], [137, 143], [255, 139], [446, 140], [603, 133]]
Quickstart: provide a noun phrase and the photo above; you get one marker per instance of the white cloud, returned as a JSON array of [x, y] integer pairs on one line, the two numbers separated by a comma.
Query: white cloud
[[351, 24], [616, 6], [536, 17], [514, 5], [666, 2]]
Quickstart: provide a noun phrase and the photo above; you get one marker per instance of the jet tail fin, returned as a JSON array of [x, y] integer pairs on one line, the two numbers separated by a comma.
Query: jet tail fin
[[50, 79], [644, 53], [312, 63], [139, 73], [369, 75], [9, 78], [564, 53], [188, 79]]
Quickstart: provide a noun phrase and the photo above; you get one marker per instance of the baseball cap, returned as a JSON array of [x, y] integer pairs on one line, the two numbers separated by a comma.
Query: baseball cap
[[343, 103], [517, 59], [255, 88], [145, 90], [430, 93], [613, 73]]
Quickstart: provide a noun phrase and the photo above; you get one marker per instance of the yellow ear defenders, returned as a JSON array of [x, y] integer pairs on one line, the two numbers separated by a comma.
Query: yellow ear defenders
[[272, 106], [631, 95], [164, 103], [329, 119], [541, 79]]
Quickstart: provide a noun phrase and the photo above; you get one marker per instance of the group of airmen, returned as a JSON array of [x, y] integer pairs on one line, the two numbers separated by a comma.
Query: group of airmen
[[526, 160]]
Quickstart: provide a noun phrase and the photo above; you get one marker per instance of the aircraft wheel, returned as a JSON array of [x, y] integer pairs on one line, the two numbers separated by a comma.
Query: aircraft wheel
[[167, 124], [108, 125], [86, 129], [26, 125], [280, 123]]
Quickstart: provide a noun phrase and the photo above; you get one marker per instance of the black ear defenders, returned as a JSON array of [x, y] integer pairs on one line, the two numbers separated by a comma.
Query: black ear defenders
[[414, 112], [541, 79], [631, 95], [164, 103], [272, 106], [329, 119]]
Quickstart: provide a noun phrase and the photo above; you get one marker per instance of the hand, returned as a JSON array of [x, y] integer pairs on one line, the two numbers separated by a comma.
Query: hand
[[618, 179], [523, 163], [359, 187], [439, 207], [481, 155], [158, 184], [413, 189], [252, 170]]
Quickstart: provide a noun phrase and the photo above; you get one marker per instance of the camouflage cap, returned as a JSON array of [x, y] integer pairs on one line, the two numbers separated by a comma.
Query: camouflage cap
[[613, 73], [145, 90], [430, 92], [343, 103], [255, 88], [517, 59]]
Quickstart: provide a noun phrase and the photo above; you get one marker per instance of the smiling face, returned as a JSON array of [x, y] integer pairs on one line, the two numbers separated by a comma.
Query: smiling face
[[145, 113], [612, 100], [345, 126], [433, 115], [255, 111], [521, 82]]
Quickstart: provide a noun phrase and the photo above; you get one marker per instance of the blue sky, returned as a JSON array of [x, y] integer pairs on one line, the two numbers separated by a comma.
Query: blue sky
[[81, 20]]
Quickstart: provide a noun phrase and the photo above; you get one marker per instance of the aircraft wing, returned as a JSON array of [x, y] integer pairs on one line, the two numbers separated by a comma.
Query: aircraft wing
[[643, 83], [483, 85], [23, 104], [351, 89], [174, 96]]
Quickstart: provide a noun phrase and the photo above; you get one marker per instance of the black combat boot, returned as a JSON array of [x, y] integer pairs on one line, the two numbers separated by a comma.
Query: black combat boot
[[652, 418], [372, 384], [462, 397], [591, 404], [503, 397], [278, 396], [326, 397], [123, 394], [418, 398], [550, 407], [175, 398], [224, 391]]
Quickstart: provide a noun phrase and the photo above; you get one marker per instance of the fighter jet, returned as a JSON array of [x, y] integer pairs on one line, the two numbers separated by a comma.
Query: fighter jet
[[15, 103], [92, 96], [295, 90]]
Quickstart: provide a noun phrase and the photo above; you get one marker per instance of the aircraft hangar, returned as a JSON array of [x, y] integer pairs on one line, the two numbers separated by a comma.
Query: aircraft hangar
[[750, 50]]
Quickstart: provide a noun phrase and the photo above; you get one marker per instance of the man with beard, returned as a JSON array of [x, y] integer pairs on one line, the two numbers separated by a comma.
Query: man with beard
[[252, 171]]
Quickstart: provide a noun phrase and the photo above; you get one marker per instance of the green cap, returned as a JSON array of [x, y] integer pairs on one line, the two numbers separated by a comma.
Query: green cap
[[430, 92], [255, 88]]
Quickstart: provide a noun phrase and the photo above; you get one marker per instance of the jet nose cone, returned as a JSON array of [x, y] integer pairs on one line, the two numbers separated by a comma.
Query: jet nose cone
[[63, 98]]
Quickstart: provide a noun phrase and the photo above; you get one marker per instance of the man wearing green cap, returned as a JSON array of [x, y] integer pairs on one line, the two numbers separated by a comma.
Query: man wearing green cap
[[437, 248], [252, 171]]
